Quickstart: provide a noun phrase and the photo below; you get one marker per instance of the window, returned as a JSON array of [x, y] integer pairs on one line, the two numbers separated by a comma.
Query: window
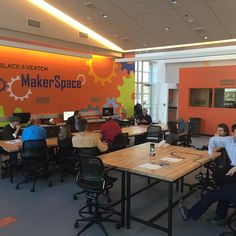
[[201, 97], [225, 98], [143, 84]]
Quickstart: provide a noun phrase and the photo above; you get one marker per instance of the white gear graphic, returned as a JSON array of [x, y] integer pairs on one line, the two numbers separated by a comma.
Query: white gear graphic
[[79, 76], [13, 80]]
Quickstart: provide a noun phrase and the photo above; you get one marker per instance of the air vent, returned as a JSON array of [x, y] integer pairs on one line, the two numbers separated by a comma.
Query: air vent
[[90, 5], [83, 35], [33, 23]]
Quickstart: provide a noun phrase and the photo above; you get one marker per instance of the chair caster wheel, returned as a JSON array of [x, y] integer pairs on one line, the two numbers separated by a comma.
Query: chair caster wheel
[[118, 226], [17, 187], [76, 224], [32, 190], [75, 197], [62, 180], [50, 185]]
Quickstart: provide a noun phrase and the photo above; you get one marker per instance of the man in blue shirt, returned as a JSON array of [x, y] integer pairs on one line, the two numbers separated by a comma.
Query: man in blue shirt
[[33, 132], [226, 193], [227, 174]]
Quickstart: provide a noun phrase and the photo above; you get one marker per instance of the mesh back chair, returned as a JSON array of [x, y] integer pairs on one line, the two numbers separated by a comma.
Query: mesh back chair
[[90, 151], [154, 133], [92, 178], [186, 140], [35, 162], [121, 141], [68, 160]]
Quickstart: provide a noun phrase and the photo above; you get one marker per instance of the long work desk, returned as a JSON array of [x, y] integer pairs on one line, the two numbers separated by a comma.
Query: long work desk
[[171, 163]]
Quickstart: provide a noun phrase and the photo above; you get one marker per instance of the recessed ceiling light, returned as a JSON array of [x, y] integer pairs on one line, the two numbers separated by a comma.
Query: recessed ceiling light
[[205, 37], [173, 1], [167, 28], [104, 15], [144, 44]]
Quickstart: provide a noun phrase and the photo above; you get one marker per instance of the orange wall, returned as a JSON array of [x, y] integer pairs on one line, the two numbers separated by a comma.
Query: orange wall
[[205, 77], [103, 82]]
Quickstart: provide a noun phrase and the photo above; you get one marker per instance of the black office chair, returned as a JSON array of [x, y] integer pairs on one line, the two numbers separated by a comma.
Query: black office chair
[[121, 141], [93, 179], [68, 160], [90, 151], [35, 162], [154, 133], [186, 140]]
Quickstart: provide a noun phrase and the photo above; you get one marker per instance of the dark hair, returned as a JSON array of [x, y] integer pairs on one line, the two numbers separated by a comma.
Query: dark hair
[[76, 112], [224, 127], [14, 119], [233, 127], [82, 125], [172, 127]]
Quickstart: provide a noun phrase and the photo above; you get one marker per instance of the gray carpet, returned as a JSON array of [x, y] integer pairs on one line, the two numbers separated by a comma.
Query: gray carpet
[[52, 211]]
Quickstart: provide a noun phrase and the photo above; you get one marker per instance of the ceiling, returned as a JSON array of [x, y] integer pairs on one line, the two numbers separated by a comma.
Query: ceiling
[[130, 23]]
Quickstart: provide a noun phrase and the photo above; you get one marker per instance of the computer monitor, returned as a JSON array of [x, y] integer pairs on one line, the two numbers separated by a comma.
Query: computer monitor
[[23, 116], [67, 114], [107, 111]]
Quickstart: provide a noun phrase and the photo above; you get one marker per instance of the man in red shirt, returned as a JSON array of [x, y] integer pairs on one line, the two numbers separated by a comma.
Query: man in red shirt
[[109, 130]]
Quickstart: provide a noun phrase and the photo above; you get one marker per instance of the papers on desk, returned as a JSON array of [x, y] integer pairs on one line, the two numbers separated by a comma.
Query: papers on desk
[[163, 144], [171, 159], [14, 141], [150, 166]]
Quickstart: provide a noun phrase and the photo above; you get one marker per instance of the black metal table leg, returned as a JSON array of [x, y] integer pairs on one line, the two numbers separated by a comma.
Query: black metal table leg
[[123, 199], [170, 193], [182, 185], [128, 202]]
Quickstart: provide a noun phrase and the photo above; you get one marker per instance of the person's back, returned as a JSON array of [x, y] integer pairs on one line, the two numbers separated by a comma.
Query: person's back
[[110, 130], [33, 132], [172, 137], [86, 139], [64, 141]]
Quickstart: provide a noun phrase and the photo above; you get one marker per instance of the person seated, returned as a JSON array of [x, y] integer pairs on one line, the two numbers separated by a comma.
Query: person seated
[[221, 131], [144, 119], [173, 137], [182, 126], [109, 130], [227, 174], [223, 196], [33, 132], [86, 139], [64, 141], [11, 131], [73, 121]]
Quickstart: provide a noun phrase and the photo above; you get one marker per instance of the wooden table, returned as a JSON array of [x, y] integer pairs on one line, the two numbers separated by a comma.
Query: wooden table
[[129, 160], [15, 147]]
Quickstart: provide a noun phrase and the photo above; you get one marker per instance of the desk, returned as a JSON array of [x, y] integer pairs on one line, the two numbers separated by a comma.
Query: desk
[[15, 147], [129, 160]]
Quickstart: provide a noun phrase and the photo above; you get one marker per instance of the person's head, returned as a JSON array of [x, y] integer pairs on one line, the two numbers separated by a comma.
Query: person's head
[[77, 113], [172, 127], [222, 130], [64, 132], [14, 121], [82, 125], [145, 111], [233, 130]]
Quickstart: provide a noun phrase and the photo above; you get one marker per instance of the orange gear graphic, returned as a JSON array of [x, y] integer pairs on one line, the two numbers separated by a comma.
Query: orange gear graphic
[[97, 78]]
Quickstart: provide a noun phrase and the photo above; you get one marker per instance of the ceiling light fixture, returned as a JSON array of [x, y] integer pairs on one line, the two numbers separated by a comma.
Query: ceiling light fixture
[[74, 24], [104, 15], [167, 28], [205, 37], [225, 41], [173, 1]]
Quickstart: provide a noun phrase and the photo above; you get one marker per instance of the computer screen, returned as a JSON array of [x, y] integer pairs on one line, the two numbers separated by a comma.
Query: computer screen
[[108, 111], [23, 116], [67, 114]]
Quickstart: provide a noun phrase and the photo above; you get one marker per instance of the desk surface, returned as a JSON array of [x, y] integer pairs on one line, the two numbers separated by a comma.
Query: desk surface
[[14, 147], [130, 159]]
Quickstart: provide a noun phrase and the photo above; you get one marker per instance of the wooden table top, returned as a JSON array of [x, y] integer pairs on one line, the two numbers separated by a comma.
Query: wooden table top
[[14, 147], [130, 159]]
